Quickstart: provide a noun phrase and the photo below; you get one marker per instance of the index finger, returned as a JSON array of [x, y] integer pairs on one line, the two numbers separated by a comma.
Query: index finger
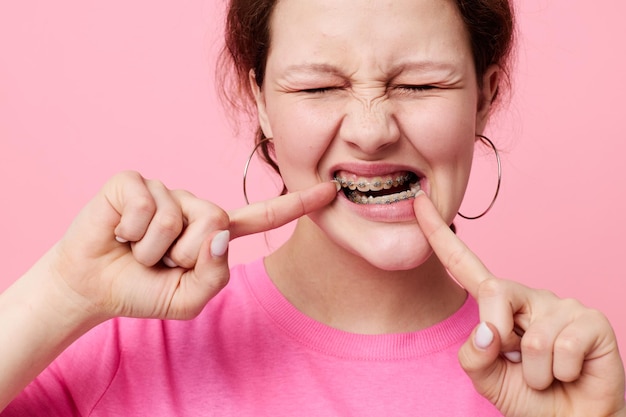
[[458, 259], [270, 214]]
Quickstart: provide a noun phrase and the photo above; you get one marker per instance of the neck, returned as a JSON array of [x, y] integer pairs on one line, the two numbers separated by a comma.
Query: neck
[[342, 290]]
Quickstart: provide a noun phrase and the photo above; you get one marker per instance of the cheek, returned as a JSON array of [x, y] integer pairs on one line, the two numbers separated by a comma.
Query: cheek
[[448, 151], [445, 138], [301, 138], [439, 127], [441, 131]]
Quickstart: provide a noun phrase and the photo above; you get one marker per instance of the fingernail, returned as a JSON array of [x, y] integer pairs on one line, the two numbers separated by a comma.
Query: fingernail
[[515, 356], [219, 245], [169, 262], [419, 193], [121, 239], [337, 185], [483, 336]]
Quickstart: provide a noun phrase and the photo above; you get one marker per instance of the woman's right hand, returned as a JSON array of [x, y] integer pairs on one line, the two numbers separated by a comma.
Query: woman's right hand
[[138, 249]]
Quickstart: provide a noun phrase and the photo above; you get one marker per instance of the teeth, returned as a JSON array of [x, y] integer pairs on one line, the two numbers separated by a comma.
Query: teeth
[[356, 187], [386, 199], [362, 185], [373, 184], [376, 184]]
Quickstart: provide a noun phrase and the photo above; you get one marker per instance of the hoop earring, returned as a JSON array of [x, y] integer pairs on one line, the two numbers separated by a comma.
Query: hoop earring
[[487, 141], [245, 168]]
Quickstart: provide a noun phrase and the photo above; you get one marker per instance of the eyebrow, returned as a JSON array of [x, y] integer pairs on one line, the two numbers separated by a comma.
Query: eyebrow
[[426, 65], [310, 67], [418, 66]]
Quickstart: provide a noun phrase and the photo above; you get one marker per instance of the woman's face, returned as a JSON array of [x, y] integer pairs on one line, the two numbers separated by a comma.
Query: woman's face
[[381, 95]]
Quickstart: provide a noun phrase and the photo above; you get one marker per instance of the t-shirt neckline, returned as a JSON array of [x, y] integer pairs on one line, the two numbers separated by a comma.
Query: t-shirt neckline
[[330, 341]]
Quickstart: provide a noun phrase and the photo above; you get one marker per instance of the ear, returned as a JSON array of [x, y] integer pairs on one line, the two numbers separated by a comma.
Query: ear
[[259, 98], [487, 94]]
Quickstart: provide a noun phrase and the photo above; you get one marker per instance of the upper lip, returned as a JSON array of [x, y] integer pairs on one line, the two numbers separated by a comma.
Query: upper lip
[[373, 169]]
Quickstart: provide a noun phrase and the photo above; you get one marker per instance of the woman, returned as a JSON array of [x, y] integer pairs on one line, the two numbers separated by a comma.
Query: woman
[[354, 314]]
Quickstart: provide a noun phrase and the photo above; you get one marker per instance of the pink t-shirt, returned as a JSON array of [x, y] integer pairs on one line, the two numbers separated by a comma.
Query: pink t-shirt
[[251, 353]]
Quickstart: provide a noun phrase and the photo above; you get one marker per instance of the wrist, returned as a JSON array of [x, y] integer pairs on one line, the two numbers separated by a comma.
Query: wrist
[[40, 320], [58, 298]]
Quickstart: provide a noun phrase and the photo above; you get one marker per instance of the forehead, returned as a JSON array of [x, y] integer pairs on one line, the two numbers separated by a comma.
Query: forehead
[[376, 32]]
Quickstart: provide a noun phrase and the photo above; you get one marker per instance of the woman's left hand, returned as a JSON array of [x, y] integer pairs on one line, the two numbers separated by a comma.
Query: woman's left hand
[[533, 354]]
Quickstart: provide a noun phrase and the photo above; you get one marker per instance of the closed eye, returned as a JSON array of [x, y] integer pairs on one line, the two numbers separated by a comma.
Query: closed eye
[[416, 88], [319, 90]]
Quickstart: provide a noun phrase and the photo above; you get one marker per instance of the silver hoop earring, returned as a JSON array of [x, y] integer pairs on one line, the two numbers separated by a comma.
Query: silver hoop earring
[[245, 168], [487, 141]]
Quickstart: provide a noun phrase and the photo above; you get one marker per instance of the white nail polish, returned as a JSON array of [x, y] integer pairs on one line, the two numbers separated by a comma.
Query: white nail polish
[[483, 336], [515, 356], [219, 245], [169, 262]]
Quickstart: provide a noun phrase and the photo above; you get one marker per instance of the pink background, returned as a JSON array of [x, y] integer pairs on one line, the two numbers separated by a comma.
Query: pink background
[[89, 88]]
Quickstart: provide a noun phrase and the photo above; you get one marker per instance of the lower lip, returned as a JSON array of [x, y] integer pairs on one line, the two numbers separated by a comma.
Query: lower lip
[[402, 211]]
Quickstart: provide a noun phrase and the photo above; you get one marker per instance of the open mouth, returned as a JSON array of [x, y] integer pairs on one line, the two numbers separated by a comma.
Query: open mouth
[[386, 189]]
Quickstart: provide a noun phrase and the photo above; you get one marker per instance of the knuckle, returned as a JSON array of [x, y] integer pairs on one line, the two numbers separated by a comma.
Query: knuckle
[[437, 231], [600, 320], [201, 212], [217, 217], [568, 345], [570, 304], [128, 175], [549, 295], [301, 204], [156, 183], [457, 257], [180, 193], [270, 216], [169, 223], [597, 315], [535, 343], [491, 288], [143, 205]]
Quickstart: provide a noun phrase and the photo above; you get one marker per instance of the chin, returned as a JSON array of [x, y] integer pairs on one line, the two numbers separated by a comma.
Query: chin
[[390, 247], [386, 246], [398, 260]]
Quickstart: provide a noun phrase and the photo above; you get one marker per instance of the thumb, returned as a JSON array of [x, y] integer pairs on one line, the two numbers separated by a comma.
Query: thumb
[[480, 359], [210, 274]]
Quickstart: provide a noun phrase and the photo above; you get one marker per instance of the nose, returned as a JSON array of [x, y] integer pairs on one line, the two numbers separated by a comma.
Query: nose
[[369, 125]]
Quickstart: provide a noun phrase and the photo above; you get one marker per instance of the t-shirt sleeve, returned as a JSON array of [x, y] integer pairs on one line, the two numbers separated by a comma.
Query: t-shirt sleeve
[[74, 383]]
